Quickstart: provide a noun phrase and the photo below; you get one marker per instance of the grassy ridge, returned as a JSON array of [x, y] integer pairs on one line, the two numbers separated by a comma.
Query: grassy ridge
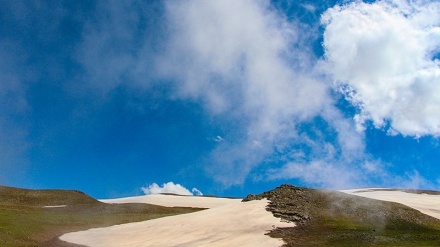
[[331, 218], [25, 222], [16, 196]]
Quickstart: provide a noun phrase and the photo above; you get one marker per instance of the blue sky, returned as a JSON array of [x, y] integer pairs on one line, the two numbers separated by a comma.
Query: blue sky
[[119, 98]]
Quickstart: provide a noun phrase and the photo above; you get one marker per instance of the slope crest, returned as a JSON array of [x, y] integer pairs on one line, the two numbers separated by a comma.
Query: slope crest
[[27, 197]]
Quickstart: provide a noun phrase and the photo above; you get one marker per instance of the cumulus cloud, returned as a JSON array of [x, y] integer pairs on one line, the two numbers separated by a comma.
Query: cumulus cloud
[[170, 187], [384, 57]]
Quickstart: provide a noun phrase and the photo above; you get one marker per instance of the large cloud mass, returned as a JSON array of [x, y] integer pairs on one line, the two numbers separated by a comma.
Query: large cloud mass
[[241, 60], [383, 55]]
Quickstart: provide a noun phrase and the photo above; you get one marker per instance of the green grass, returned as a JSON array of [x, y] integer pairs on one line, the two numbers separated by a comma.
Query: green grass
[[16, 196], [24, 222], [330, 218]]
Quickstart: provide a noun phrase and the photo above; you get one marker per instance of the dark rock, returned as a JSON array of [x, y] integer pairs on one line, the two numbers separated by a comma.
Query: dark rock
[[286, 202]]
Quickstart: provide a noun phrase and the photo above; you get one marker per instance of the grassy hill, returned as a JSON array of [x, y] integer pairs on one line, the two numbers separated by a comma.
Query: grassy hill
[[331, 218], [15, 196], [24, 221]]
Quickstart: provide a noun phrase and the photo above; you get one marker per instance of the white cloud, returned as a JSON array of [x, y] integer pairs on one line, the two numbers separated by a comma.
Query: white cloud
[[170, 187], [331, 164], [196, 192], [382, 56], [240, 60], [319, 173], [340, 174], [251, 70], [218, 139], [309, 7]]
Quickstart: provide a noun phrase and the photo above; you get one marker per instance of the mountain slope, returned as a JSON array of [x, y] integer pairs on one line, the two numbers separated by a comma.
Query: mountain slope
[[25, 221], [331, 218]]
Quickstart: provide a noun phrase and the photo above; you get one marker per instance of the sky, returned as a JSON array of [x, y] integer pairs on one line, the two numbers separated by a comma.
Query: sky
[[123, 98]]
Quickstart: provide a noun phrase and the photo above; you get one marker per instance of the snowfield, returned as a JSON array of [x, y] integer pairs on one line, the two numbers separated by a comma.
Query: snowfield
[[227, 222]]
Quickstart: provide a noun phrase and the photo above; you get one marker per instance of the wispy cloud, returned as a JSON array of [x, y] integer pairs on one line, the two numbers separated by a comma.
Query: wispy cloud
[[170, 187], [116, 47], [321, 173], [383, 55], [241, 60], [218, 139], [13, 105]]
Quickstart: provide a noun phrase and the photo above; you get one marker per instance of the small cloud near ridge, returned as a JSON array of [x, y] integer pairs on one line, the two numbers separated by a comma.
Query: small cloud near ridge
[[171, 188]]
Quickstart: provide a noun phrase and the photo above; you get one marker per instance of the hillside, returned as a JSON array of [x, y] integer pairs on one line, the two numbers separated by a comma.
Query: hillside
[[24, 221], [331, 218], [26, 197], [322, 217]]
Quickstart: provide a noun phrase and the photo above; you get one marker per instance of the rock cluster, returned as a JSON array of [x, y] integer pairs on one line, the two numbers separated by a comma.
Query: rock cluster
[[287, 202], [332, 218]]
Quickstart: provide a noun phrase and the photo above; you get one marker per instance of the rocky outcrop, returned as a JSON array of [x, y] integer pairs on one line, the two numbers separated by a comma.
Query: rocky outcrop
[[287, 202], [332, 218]]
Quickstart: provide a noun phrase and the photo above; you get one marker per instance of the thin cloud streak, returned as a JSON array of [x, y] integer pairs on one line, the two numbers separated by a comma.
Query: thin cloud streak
[[116, 48], [13, 105]]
